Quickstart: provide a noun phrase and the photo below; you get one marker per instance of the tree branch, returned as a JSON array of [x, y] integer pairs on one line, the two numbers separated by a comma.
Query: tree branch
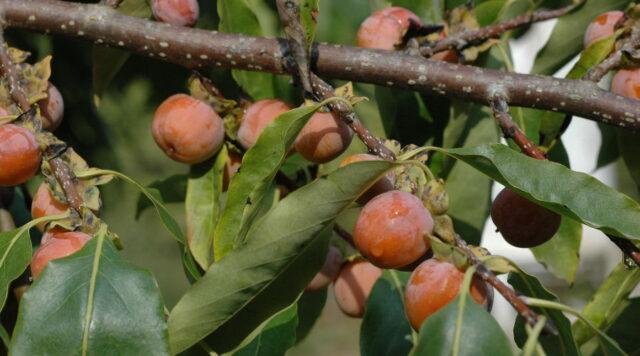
[[63, 173], [509, 294], [511, 130], [194, 48], [462, 40], [615, 59], [627, 247]]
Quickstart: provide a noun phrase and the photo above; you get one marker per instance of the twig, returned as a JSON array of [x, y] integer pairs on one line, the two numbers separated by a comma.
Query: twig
[[194, 48], [511, 130], [509, 294], [628, 248], [344, 234], [289, 13], [615, 59], [63, 173], [111, 3], [462, 40], [346, 113], [10, 72]]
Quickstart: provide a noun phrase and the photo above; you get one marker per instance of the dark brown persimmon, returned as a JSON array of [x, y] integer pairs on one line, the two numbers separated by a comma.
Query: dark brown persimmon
[[392, 228], [20, 155], [329, 271], [323, 138], [187, 130], [44, 203], [258, 116], [383, 184], [521, 222], [385, 29], [603, 26], [432, 285], [176, 12], [353, 286], [56, 245]]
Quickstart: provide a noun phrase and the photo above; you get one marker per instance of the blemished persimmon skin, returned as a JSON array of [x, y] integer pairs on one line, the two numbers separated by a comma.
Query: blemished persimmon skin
[[323, 138], [385, 28], [20, 155], [258, 116], [603, 26], [231, 168], [52, 108], [521, 222], [353, 286], [383, 184], [391, 229], [176, 12], [187, 130], [432, 285], [328, 272], [627, 83], [54, 246], [45, 204]]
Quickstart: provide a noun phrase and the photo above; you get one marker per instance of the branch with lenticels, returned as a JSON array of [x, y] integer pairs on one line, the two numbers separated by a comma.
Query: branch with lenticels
[[195, 48]]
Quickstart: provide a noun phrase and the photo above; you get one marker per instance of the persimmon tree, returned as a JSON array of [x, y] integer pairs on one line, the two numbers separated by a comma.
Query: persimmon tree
[[311, 164]]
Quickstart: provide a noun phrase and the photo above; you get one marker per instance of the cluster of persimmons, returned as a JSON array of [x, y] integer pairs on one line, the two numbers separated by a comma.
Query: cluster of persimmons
[[393, 227]]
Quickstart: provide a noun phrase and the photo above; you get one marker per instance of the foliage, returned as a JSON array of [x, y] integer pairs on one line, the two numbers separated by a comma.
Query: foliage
[[249, 244]]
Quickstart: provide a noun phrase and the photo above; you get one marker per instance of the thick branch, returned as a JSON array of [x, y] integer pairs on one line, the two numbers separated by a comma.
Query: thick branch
[[196, 48], [10, 72]]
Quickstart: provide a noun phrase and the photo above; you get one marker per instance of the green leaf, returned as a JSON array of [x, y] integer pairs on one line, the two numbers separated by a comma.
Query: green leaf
[[308, 17], [560, 255], [625, 329], [563, 344], [168, 221], [91, 302], [15, 247], [276, 338], [537, 180], [283, 252], [462, 328], [237, 16], [609, 150], [203, 207], [385, 329], [259, 166], [430, 11], [170, 190], [470, 203], [567, 36], [15, 253], [310, 307], [551, 123], [630, 152], [108, 61], [608, 301]]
